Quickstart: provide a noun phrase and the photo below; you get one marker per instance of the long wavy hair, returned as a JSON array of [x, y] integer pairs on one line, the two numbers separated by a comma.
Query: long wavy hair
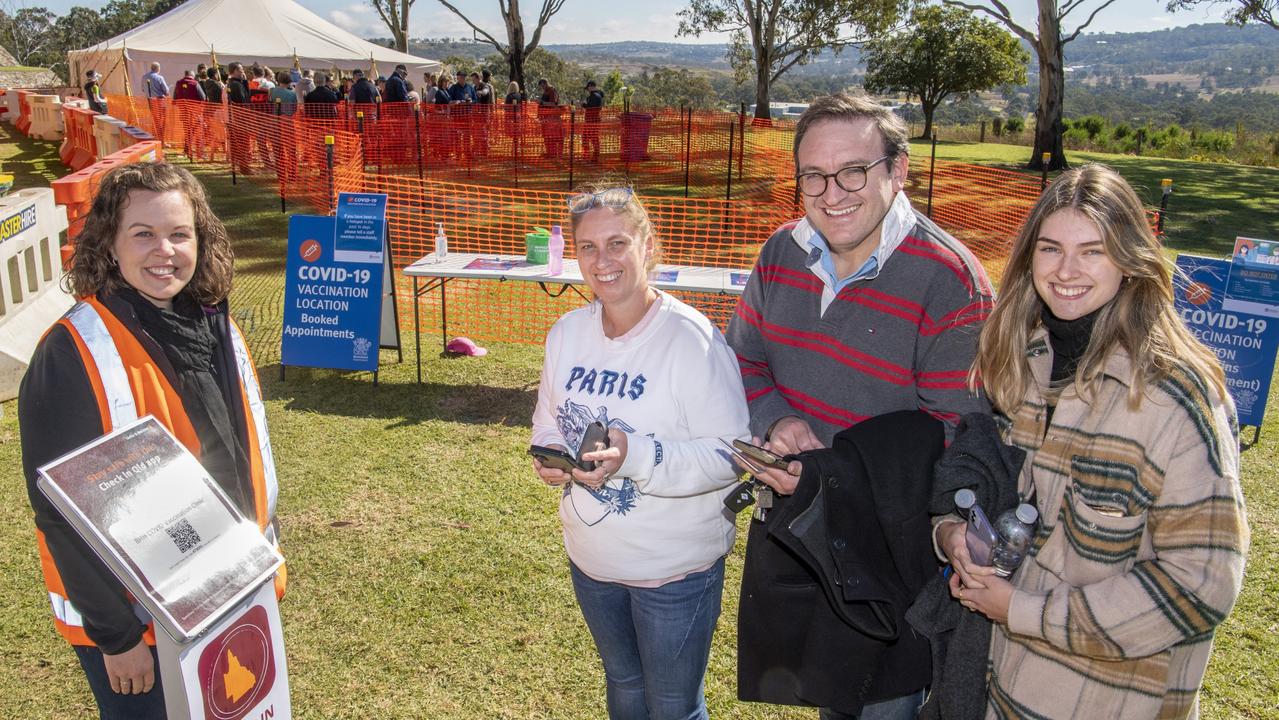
[[93, 266], [1140, 319]]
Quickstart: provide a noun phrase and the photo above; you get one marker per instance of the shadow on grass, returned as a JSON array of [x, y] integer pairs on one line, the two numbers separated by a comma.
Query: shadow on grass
[[398, 398], [32, 162]]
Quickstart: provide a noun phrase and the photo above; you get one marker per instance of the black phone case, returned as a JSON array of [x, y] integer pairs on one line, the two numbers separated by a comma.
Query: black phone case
[[595, 433], [553, 458]]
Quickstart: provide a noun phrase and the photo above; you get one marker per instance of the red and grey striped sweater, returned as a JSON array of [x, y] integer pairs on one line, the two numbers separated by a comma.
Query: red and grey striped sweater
[[901, 340]]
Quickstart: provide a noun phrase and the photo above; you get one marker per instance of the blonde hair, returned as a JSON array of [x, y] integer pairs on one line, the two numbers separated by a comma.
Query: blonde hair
[[1140, 319], [634, 211]]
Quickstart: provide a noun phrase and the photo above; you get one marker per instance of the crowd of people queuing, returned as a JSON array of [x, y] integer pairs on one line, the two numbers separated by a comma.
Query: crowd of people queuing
[[868, 354], [468, 100]]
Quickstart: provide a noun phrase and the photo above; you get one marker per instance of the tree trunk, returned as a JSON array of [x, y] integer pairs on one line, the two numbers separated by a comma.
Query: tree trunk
[[402, 35], [515, 45], [928, 119], [762, 109], [515, 64], [1052, 92]]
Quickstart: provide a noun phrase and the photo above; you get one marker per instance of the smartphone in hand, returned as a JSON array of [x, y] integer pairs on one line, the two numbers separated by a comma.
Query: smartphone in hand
[[761, 456], [553, 458], [595, 438]]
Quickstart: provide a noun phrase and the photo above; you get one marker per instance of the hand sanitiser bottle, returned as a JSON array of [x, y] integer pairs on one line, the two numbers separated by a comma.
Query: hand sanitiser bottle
[[555, 248], [441, 243]]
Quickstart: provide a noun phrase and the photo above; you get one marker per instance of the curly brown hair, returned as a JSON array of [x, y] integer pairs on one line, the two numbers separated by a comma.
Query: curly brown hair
[[93, 267]]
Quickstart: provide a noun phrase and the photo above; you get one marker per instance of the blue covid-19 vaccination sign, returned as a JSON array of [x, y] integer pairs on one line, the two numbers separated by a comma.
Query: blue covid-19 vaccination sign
[[333, 294], [1244, 343]]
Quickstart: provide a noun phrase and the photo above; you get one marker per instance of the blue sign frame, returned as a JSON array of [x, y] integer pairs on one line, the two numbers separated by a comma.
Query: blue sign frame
[[1245, 343], [332, 308]]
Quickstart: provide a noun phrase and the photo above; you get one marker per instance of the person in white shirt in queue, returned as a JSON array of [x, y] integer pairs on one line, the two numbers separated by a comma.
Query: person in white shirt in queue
[[646, 531]]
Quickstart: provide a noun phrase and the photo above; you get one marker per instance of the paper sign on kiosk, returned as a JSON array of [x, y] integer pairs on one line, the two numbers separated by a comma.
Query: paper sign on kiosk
[[164, 527]]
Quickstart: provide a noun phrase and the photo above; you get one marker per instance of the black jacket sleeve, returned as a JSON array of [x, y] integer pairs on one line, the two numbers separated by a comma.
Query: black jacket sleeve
[[57, 413]]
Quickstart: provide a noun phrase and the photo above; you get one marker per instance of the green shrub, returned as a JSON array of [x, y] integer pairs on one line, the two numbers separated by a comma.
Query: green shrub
[[1091, 124], [1214, 141], [1076, 137], [1015, 124]]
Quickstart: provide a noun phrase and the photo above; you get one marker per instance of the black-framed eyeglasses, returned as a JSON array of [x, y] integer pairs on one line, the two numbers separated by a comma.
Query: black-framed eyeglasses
[[849, 179], [615, 198]]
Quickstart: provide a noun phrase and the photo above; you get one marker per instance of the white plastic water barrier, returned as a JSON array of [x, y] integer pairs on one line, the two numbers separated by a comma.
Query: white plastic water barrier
[[46, 117], [31, 294], [11, 102]]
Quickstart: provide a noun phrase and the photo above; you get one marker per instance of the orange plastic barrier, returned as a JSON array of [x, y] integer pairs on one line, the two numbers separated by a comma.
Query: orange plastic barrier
[[24, 111], [80, 148], [76, 191]]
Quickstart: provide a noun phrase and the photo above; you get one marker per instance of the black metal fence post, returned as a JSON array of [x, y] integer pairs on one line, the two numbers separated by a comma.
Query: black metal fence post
[[728, 188], [932, 171], [1166, 184], [572, 136], [688, 143], [230, 155], [417, 138], [331, 203], [1044, 159], [279, 150]]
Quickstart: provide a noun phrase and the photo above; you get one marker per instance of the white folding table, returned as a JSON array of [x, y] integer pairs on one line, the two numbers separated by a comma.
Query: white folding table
[[429, 274]]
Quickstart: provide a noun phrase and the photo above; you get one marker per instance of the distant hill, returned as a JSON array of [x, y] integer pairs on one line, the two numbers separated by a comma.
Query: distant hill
[[635, 52], [1196, 50], [1234, 57]]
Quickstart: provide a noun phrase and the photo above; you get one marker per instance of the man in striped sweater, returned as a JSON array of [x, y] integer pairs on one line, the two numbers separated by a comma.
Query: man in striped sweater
[[860, 308]]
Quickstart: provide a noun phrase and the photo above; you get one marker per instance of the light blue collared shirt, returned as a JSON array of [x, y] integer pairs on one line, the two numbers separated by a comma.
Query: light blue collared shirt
[[898, 223]]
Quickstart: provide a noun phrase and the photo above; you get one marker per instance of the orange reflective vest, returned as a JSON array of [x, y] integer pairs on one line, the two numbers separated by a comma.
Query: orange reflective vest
[[128, 385]]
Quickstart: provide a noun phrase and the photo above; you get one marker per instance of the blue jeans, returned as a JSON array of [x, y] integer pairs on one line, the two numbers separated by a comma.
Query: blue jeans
[[902, 708], [112, 705], [655, 642]]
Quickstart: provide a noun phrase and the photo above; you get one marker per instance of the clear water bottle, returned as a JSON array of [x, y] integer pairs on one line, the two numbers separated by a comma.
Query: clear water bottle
[[441, 243], [1016, 529]]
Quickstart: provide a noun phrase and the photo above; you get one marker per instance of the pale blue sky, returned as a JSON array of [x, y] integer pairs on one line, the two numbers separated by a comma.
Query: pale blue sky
[[587, 21]]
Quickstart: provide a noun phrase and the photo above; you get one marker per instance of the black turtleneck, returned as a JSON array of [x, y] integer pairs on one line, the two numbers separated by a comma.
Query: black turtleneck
[[189, 343], [1069, 341]]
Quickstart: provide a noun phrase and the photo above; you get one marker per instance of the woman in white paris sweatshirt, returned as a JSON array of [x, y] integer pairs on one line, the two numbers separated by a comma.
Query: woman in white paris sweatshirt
[[646, 531]]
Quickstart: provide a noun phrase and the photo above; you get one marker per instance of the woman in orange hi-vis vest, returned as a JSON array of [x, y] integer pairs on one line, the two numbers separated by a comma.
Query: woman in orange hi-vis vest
[[150, 335]]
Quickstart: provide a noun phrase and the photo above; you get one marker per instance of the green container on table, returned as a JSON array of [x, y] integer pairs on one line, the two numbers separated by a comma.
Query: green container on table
[[536, 246]]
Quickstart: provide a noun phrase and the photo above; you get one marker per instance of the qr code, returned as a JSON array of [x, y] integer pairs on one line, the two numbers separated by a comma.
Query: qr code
[[183, 535]]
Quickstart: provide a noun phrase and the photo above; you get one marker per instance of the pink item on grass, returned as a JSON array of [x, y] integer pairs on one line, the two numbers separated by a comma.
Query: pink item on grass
[[465, 346]]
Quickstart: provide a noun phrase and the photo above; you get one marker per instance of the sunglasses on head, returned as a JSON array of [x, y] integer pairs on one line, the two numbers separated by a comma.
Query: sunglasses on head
[[615, 198]]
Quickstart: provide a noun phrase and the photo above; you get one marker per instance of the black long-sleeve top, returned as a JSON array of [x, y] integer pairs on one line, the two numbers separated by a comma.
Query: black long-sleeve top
[[57, 413]]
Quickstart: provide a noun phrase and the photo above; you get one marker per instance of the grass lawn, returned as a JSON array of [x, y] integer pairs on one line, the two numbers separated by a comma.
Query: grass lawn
[[427, 576], [1211, 203]]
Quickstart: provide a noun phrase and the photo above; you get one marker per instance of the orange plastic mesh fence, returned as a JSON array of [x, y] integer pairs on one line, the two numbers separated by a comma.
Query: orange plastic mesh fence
[[983, 207], [491, 174], [481, 219]]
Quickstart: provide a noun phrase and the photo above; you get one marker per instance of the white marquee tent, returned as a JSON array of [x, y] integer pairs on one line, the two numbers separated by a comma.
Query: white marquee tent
[[271, 32]]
